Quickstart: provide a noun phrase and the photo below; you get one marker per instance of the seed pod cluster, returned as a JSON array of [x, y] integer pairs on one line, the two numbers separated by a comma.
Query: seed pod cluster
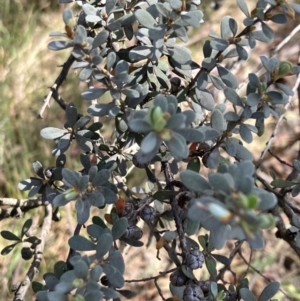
[[177, 278], [205, 286], [133, 232], [26, 253], [230, 296], [128, 210], [194, 259], [147, 213], [193, 292]]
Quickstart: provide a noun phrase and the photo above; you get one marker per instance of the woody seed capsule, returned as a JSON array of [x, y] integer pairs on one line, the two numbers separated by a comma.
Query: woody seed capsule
[[194, 259]]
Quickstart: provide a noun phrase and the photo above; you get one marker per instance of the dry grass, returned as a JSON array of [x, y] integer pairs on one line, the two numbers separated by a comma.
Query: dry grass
[[27, 68]]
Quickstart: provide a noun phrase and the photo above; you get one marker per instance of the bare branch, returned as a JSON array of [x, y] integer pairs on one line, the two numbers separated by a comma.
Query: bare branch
[[176, 210], [10, 207], [286, 40], [53, 90]]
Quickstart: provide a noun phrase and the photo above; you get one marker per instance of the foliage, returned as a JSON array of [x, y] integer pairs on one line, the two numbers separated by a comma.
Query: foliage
[[164, 112]]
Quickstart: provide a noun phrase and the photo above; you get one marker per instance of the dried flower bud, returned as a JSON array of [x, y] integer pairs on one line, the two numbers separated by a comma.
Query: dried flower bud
[[193, 292], [26, 253], [133, 232], [194, 259], [177, 278], [147, 213]]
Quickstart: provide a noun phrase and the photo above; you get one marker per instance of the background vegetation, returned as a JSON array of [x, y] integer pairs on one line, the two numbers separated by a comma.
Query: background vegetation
[[27, 68]]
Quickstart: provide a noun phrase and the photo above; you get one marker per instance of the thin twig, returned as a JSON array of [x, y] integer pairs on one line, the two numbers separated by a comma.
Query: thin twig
[[259, 273], [283, 200], [94, 101], [159, 290], [274, 133], [278, 159], [72, 251], [161, 274], [34, 268], [158, 237], [233, 253], [121, 184], [286, 40]]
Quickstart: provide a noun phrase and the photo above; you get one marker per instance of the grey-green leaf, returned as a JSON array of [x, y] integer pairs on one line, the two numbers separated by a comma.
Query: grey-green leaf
[[269, 291], [104, 244], [279, 183], [246, 294], [145, 18], [194, 181], [80, 243], [52, 133], [217, 121], [100, 38], [9, 235], [227, 77], [119, 227]]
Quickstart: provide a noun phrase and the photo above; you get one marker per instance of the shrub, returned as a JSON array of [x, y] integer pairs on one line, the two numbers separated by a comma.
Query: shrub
[[164, 112]]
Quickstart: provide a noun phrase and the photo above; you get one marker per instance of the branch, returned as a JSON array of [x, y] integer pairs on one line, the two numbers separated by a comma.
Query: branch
[[94, 101], [245, 31], [282, 231], [278, 159], [176, 210], [72, 251], [233, 253], [54, 89], [16, 207], [286, 40], [34, 268], [159, 290], [283, 200]]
